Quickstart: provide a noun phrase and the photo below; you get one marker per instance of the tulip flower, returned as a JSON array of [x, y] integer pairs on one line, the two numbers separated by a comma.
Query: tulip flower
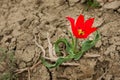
[[81, 28]]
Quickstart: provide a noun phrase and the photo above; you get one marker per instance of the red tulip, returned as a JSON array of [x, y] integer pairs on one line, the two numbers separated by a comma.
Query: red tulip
[[81, 28]]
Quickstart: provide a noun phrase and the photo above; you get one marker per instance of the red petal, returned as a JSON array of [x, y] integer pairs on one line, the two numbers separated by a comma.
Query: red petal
[[89, 32], [80, 22], [89, 23], [93, 29], [72, 21], [74, 30]]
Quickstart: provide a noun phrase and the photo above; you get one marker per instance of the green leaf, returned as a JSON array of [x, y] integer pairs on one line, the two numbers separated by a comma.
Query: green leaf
[[67, 44], [73, 39], [87, 45], [73, 42], [58, 62]]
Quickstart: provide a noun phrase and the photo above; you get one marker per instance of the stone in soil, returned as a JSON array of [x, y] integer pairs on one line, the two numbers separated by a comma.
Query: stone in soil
[[112, 5], [72, 2], [118, 10], [99, 43], [110, 49], [98, 22]]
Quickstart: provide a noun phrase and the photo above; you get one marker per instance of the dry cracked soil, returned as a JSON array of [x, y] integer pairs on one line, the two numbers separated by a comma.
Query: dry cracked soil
[[22, 20]]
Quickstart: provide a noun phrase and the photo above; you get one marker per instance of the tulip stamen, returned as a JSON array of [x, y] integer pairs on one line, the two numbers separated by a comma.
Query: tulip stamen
[[80, 32]]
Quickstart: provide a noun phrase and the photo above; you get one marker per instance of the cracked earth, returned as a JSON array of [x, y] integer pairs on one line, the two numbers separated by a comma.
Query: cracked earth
[[21, 21]]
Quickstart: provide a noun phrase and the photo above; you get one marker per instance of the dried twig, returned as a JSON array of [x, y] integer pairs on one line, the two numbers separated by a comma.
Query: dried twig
[[50, 46], [29, 74], [91, 55], [102, 75], [18, 71], [40, 47]]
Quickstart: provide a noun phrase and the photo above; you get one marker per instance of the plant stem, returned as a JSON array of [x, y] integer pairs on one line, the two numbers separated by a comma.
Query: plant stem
[[75, 45]]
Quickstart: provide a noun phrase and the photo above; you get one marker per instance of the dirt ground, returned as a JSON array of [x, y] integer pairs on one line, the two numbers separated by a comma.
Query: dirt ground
[[22, 20]]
